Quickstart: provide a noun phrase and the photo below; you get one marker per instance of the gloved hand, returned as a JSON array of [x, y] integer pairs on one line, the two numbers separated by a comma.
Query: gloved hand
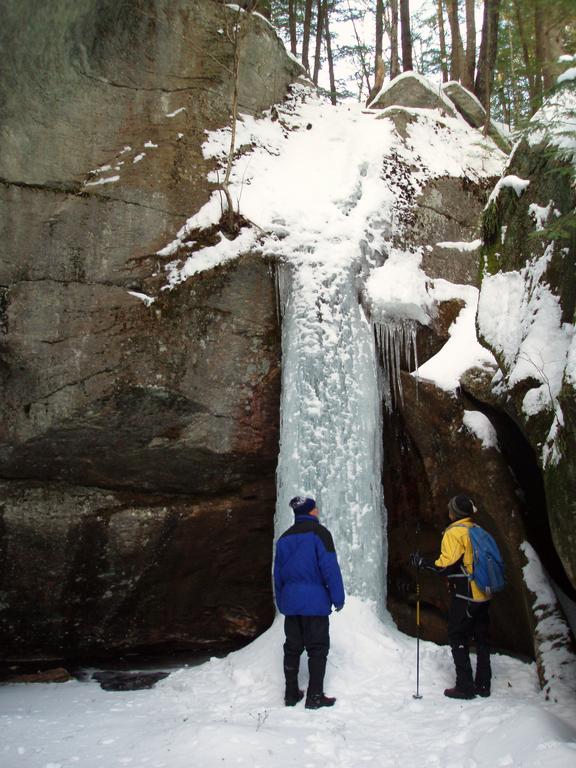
[[417, 560], [338, 607]]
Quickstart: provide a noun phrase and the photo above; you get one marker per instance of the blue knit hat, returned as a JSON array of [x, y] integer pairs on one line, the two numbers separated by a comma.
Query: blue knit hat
[[302, 505]]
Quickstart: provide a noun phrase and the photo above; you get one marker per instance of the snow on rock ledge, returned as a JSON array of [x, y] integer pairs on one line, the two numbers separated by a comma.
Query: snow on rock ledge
[[553, 640], [398, 290]]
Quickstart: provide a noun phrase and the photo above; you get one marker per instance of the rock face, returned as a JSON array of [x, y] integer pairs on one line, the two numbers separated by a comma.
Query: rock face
[[528, 234], [431, 457], [431, 450], [446, 221], [138, 443], [429, 454]]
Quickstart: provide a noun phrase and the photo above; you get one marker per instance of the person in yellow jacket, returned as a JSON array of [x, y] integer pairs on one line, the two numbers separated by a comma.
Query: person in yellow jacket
[[469, 609]]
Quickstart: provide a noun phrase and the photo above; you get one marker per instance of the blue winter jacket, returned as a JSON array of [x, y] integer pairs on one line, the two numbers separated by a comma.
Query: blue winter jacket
[[307, 577]]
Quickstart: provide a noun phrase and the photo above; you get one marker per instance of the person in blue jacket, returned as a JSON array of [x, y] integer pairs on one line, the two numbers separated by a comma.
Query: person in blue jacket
[[307, 582]]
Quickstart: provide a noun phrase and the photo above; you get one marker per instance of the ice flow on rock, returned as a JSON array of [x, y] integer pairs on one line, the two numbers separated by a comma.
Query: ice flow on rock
[[330, 443]]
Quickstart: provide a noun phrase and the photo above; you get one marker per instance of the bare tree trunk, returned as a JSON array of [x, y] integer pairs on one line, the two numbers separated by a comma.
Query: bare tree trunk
[[379, 75], [549, 27], [360, 53], [539, 49], [320, 11], [457, 60], [235, 34], [330, 58], [442, 36], [528, 64], [292, 26], [379, 32], [488, 51], [514, 95], [394, 62], [306, 34], [406, 36], [470, 68], [505, 106]]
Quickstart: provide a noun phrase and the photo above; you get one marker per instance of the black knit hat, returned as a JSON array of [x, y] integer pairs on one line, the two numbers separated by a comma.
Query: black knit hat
[[302, 505], [461, 506]]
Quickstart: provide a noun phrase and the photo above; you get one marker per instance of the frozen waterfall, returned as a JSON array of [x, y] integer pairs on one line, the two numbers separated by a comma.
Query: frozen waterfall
[[331, 436]]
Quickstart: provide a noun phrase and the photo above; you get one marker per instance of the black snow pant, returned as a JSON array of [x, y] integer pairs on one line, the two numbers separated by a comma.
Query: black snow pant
[[313, 634], [470, 620]]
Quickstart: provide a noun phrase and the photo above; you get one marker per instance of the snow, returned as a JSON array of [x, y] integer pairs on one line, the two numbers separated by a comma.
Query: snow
[[107, 180], [555, 122], [176, 112], [481, 427], [139, 157], [148, 300], [571, 363], [569, 74], [462, 351], [296, 60], [151, 145], [552, 631], [230, 712], [540, 214], [511, 181], [472, 245], [305, 186], [398, 290], [521, 318]]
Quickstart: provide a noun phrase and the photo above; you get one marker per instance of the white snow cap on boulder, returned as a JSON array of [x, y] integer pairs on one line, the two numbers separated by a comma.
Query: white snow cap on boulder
[[411, 89], [398, 290]]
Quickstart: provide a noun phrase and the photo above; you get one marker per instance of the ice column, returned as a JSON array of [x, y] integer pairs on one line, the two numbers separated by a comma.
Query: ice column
[[331, 436]]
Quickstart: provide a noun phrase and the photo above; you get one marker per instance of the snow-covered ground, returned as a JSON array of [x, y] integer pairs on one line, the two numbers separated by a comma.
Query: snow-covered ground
[[230, 712]]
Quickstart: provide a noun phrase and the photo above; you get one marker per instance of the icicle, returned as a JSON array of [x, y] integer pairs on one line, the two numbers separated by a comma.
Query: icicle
[[396, 341]]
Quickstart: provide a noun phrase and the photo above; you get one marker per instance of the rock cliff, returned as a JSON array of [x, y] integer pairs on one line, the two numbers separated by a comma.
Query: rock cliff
[[138, 444], [529, 258]]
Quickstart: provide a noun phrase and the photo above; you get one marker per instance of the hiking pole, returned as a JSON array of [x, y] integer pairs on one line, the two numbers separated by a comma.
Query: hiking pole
[[417, 694]]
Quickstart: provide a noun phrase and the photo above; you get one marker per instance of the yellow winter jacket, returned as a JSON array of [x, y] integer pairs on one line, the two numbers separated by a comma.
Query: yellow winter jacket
[[455, 545]]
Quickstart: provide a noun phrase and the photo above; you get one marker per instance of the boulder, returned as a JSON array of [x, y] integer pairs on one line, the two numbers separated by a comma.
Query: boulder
[[412, 90], [53, 675], [474, 113], [139, 438]]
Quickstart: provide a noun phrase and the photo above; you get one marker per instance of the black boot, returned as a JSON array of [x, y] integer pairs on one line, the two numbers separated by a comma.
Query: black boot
[[464, 688], [292, 694], [315, 697], [459, 693], [483, 671], [317, 700], [291, 698]]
